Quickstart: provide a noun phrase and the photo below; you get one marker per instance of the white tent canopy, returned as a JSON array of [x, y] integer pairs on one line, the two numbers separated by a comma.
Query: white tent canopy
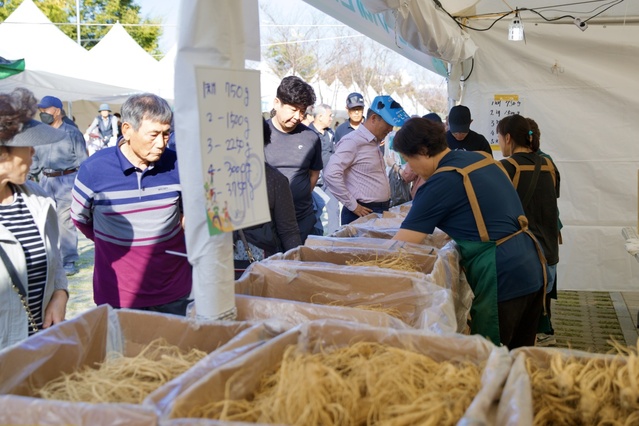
[[55, 65], [119, 60]]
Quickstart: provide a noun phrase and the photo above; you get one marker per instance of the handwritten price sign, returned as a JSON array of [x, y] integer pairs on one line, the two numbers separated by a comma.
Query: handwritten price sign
[[501, 106], [232, 148]]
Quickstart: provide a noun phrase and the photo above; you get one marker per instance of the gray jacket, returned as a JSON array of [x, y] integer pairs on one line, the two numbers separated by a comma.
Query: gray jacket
[[13, 318]]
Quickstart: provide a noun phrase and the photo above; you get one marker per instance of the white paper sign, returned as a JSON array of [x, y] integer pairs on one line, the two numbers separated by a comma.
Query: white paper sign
[[501, 106], [232, 148]]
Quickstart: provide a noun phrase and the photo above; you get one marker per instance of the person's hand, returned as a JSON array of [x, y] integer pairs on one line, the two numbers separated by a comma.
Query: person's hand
[[56, 309], [362, 211]]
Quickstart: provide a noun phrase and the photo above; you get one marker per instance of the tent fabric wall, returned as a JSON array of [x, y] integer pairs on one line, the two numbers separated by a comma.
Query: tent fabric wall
[[581, 88]]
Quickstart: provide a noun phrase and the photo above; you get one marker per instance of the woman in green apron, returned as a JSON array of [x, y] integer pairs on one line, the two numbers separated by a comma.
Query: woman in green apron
[[469, 196]]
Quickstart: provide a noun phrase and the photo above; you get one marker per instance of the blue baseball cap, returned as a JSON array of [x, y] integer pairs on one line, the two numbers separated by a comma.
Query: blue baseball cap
[[391, 111], [50, 101]]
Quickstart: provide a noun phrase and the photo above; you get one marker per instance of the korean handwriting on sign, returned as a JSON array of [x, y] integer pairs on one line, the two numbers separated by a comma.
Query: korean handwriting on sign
[[233, 170], [500, 107]]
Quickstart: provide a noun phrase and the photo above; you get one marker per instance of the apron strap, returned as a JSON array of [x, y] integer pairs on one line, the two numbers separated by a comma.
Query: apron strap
[[519, 168], [470, 192]]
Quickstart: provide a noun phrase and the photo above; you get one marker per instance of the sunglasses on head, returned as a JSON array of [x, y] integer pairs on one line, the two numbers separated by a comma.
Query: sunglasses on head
[[354, 99]]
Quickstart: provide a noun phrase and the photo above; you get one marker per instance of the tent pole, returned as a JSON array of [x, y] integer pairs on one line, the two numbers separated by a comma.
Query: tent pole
[[77, 19]]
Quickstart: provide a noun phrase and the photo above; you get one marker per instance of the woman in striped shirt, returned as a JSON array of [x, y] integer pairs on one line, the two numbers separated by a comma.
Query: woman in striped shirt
[[33, 285]]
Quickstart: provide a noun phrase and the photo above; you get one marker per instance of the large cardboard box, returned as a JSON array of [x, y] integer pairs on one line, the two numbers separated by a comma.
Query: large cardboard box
[[247, 370], [86, 340], [415, 298], [516, 404], [441, 267]]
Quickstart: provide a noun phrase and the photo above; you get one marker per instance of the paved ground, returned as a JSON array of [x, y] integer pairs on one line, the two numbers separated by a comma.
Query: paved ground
[[582, 320]]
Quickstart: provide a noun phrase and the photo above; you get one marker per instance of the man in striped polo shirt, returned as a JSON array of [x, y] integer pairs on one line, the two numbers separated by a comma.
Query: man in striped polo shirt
[[127, 199]]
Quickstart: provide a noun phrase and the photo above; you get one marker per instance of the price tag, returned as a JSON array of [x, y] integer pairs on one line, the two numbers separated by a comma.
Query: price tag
[[232, 148]]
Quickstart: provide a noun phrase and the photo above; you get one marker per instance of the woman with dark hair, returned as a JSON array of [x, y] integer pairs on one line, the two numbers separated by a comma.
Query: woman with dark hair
[[536, 180], [33, 284], [468, 196]]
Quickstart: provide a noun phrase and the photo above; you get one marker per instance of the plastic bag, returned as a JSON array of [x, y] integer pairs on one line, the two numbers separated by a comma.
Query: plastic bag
[[400, 190]]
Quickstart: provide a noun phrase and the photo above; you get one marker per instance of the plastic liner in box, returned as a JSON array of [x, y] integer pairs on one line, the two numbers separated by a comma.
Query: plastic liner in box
[[294, 313], [247, 370], [378, 228], [85, 341], [516, 404], [370, 243], [419, 302], [442, 267]]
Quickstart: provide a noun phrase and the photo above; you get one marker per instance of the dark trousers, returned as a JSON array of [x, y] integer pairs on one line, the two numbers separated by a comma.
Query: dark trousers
[[348, 216], [519, 319], [177, 307]]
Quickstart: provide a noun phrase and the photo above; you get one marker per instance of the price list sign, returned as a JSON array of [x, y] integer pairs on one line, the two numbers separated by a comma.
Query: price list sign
[[232, 148], [501, 106]]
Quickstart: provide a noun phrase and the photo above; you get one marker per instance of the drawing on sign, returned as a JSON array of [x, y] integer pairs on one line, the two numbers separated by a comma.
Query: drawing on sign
[[232, 153], [500, 107]]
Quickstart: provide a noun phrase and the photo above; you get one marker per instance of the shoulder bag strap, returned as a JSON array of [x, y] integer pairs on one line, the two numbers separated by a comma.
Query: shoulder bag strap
[[18, 287], [249, 253]]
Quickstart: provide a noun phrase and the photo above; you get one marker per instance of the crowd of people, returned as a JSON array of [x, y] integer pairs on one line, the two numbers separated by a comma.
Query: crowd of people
[[124, 194]]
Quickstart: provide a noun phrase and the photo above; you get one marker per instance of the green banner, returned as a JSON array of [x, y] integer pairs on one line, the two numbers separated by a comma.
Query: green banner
[[9, 68]]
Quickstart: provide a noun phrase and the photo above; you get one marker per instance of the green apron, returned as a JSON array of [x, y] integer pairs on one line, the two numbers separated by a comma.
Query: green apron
[[478, 259]]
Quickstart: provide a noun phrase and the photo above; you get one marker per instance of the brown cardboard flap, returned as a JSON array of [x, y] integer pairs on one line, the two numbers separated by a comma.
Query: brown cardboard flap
[[248, 369]]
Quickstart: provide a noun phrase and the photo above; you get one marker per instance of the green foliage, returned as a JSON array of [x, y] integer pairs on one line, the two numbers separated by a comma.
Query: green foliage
[[103, 13]]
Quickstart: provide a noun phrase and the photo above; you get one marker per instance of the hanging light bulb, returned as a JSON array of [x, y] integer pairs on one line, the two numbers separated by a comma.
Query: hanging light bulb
[[516, 29]]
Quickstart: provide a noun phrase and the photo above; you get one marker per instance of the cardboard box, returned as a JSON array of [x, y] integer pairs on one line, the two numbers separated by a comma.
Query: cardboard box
[[85, 341], [419, 301], [247, 370], [516, 404], [441, 266]]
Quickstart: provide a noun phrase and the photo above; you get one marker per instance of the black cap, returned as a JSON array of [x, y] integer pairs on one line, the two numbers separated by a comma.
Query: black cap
[[459, 119]]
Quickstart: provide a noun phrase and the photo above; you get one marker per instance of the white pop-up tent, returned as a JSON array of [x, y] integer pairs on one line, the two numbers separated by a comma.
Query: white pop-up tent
[[119, 60], [55, 65]]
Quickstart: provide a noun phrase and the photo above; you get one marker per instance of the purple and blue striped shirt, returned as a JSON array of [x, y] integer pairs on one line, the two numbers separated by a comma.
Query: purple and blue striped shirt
[[133, 217]]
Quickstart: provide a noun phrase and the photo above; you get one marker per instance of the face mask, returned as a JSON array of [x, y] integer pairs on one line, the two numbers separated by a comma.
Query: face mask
[[46, 118]]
